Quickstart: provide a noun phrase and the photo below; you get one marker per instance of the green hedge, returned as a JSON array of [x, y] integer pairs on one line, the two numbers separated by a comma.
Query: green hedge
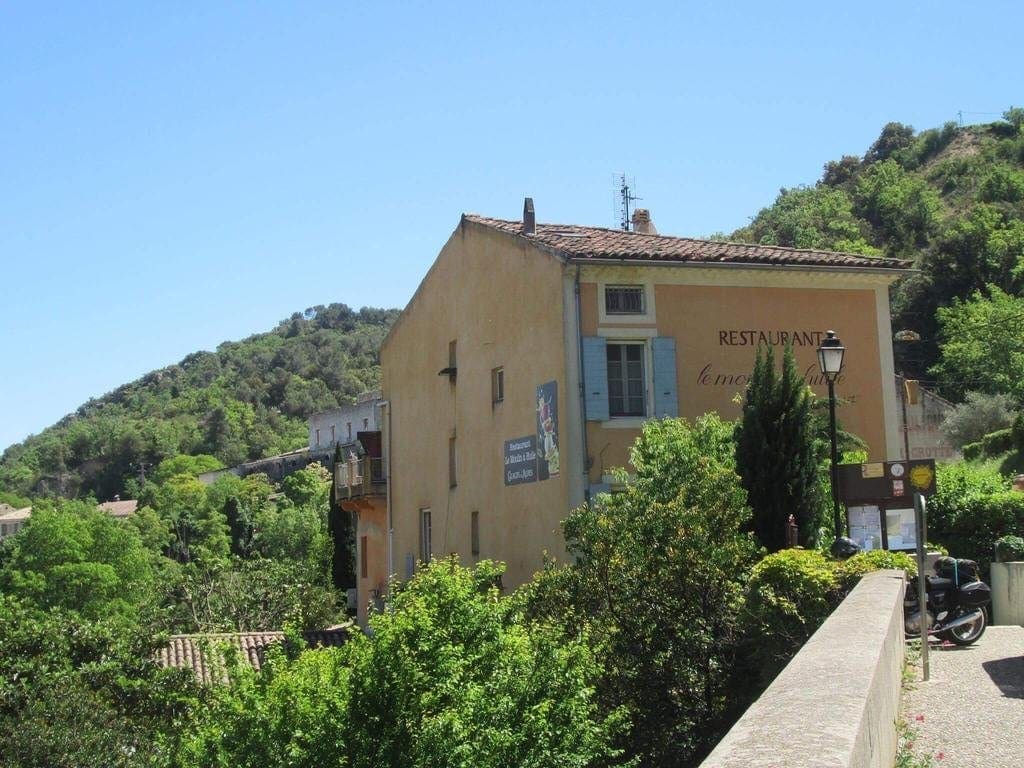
[[1009, 549], [972, 451], [849, 572], [996, 443], [979, 522], [1018, 432], [792, 591]]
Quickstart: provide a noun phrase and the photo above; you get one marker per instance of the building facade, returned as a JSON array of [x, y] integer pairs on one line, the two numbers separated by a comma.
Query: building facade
[[523, 368], [341, 424], [921, 431]]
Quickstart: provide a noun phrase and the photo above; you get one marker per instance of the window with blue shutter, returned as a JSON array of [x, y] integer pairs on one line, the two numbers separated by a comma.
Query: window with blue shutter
[[666, 399], [595, 377]]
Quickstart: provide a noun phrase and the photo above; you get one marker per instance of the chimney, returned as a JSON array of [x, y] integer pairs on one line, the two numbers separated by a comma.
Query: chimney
[[642, 222], [529, 217]]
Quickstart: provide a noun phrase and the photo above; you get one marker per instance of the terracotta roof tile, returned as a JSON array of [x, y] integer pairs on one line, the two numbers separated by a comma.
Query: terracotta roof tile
[[122, 508], [204, 653], [580, 242]]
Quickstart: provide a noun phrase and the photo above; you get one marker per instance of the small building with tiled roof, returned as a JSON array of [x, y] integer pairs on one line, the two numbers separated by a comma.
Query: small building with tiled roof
[[207, 654], [522, 370]]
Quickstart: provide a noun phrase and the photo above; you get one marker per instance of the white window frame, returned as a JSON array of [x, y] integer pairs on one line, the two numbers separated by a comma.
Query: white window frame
[[648, 315]]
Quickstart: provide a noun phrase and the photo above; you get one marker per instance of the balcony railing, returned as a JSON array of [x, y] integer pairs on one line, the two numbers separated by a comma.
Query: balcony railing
[[359, 476]]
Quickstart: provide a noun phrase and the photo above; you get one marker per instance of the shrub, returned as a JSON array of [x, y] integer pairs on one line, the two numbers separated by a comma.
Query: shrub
[[1014, 116], [982, 520], [977, 416], [1002, 184], [1018, 432], [995, 443], [849, 572], [789, 595], [959, 512], [1009, 549], [972, 451]]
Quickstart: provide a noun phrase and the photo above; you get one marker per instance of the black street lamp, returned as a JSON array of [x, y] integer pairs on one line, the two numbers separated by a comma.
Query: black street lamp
[[830, 360]]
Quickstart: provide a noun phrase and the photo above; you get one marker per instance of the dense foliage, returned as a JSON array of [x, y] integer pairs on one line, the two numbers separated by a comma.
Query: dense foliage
[[476, 683], [86, 600], [247, 400], [951, 200], [1009, 549], [972, 508], [778, 454], [657, 582], [85, 693]]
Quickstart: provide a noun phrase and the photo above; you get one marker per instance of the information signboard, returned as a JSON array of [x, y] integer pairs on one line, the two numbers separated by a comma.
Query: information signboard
[[879, 500]]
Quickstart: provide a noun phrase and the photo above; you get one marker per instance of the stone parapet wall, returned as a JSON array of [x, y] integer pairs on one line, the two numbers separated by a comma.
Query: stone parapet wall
[[835, 704]]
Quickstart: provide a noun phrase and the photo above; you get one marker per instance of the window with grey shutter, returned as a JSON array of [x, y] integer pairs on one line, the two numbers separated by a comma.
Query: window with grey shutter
[[595, 378], [666, 398]]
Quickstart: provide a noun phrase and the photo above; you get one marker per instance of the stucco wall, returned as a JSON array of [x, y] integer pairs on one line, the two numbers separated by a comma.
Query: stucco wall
[[711, 315], [340, 418], [502, 302], [371, 532], [835, 703]]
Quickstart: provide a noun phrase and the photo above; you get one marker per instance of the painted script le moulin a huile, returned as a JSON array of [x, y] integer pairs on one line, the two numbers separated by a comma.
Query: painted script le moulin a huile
[[709, 376]]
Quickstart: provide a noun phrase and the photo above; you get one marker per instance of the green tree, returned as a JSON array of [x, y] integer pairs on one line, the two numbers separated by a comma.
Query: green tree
[[656, 580], [810, 217], [198, 530], [894, 137], [70, 555], [255, 594], [81, 692], [981, 345], [477, 685], [777, 453], [977, 416], [1014, 116], [903, 207], [184, 464]]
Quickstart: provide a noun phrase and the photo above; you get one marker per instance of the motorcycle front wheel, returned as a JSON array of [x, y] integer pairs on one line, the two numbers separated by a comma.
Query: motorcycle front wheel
[[967, 633]]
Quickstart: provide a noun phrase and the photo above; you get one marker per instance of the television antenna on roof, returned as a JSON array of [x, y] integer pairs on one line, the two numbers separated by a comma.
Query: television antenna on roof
[[625, 198]]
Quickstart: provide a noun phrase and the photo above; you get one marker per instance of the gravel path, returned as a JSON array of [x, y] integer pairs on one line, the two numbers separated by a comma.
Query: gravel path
[[973, 705]]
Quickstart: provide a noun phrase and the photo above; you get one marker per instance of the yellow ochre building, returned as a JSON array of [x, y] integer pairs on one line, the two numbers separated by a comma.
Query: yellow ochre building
[[522, 369]]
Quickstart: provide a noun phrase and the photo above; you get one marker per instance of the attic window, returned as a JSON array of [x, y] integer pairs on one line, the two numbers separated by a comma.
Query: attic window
[[624, 300]]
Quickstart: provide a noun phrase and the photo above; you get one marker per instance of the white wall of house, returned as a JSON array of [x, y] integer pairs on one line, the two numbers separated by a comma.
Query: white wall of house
[[340, 425]]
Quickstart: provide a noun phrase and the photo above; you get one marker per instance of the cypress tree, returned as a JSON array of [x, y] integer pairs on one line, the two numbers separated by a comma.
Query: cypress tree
[[777, 453]]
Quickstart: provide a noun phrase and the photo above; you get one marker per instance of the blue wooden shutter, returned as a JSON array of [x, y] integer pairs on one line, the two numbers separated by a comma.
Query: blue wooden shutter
[[666, 399], [595, 377]]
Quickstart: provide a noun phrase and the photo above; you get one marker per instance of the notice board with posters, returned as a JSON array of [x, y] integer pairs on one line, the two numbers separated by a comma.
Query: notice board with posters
[[879, 500]]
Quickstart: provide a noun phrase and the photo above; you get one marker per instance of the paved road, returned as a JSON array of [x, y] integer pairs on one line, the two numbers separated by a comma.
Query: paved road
[[973, 706]]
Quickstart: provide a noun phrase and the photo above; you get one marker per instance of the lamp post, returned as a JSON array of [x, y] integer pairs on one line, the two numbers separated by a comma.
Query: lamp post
[[830, 360]]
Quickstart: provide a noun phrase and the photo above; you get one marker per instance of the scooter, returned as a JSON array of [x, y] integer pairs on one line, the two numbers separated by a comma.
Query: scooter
[[956, 600]]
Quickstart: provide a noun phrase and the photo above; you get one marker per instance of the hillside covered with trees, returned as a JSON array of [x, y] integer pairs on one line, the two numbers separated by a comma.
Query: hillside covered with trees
[[246, 400], [952, 200]]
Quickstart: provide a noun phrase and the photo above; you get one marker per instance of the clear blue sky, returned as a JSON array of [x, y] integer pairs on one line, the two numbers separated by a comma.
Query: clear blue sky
[[173, 175]]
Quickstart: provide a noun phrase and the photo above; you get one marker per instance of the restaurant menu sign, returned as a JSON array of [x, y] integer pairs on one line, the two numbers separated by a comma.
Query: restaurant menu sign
[[521, 460], [535, 457]]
